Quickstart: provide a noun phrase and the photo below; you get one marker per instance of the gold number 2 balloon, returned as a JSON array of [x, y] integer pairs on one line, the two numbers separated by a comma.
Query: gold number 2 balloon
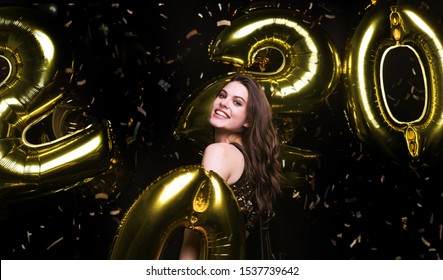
[[297, 63], [382, 30], [33, 82], [191, 197]]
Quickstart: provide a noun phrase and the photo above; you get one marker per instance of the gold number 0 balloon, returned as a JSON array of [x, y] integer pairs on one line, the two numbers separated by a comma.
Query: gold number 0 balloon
[[34, 81], [382, 29], [185, 197]]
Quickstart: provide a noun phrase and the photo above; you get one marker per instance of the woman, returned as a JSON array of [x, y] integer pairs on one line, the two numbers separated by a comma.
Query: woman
[[245, 153]]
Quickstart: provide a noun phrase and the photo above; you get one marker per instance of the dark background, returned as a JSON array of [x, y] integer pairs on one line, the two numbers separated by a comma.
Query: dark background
[[135, 67]]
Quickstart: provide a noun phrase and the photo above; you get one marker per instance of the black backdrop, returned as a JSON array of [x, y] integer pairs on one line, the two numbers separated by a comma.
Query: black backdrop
[[135, 67]]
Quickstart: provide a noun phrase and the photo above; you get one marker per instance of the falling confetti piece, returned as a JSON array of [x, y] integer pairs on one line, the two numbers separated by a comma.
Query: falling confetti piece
[[427, 243], [101, 196], [114, 212], [81, 83], [54, 243], [191, 34], [224, 22]]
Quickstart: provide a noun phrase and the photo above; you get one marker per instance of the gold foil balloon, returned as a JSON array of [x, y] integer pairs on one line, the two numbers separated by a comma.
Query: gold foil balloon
[[383, 30], [295, 61], [189, 197], [34, 78]]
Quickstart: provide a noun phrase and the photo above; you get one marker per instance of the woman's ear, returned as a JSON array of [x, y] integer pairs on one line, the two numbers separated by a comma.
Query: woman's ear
[[246, 124]]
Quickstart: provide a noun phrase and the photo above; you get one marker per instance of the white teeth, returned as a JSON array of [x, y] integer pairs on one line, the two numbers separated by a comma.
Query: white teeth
[[222, 114]]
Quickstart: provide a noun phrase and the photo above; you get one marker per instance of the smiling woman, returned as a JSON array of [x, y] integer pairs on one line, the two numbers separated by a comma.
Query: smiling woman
[[245, 153]]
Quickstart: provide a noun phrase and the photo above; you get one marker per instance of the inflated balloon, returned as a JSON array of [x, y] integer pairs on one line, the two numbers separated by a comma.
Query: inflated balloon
[[34, 81], [384, 30], [189, 197], [298, 64]]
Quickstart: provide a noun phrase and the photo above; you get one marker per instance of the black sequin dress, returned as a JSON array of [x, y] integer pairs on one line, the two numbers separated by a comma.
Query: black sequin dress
[[256, 222], [245, 197], [244, 193]]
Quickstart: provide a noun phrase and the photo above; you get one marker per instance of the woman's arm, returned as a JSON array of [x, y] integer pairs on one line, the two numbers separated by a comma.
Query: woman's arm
[[190, 249], [228, 162], [225, 160], [216, 158]]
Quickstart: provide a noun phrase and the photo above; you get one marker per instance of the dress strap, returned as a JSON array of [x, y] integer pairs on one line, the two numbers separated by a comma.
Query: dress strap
[[240, 148]]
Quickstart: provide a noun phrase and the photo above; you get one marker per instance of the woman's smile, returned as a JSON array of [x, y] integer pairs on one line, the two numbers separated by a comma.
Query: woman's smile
[[221, 113]]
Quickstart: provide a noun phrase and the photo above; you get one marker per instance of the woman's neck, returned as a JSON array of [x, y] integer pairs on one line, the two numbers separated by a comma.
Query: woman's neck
[[220, 137]]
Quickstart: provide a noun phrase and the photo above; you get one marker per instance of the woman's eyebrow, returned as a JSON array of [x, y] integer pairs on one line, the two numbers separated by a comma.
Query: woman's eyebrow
[[235, 96], [239, 97]]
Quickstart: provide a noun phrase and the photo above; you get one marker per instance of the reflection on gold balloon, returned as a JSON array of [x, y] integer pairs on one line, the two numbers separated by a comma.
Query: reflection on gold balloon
[[185, 197], [383, 30], [34, 79]]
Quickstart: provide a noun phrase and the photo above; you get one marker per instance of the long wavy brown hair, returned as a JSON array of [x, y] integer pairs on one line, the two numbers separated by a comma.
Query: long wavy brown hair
[[262, 146]]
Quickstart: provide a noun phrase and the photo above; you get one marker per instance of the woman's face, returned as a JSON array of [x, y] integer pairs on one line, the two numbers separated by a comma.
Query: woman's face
[[229, 108]]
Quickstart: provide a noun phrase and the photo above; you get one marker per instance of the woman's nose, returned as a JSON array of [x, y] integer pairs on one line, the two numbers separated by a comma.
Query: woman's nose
[[223, 104]]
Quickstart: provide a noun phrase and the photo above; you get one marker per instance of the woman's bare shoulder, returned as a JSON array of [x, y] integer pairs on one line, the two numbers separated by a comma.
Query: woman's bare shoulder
[[225, 159], [221, 149]]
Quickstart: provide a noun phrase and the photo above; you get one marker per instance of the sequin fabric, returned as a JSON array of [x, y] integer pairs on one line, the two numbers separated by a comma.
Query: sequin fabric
[[244, 192], [245, 197]]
